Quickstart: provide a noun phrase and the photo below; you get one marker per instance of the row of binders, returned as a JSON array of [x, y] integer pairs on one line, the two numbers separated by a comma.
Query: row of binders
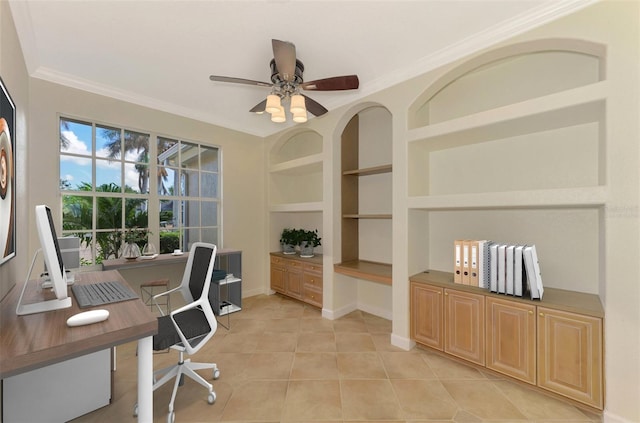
[[502, 268]]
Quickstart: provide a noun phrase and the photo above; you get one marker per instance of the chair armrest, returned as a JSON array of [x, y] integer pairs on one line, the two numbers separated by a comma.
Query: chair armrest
[[155, 297]]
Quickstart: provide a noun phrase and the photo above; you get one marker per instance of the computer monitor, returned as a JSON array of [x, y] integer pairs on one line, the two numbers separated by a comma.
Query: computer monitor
[[53, 260]]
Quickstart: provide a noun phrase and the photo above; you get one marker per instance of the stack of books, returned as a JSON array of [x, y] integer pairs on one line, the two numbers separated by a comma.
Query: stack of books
[[509, 269]]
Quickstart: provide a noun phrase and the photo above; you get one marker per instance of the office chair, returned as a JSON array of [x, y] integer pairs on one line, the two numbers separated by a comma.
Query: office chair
[[188, 328]]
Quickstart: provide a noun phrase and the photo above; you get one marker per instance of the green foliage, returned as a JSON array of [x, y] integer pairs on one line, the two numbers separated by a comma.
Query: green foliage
[[309, 236], [169, 241], [296, 236], [77, 213], [290, 236]]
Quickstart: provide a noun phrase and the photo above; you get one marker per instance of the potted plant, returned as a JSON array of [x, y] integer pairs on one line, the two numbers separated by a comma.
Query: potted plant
[[289, 240], [308, 240], [133, 239]]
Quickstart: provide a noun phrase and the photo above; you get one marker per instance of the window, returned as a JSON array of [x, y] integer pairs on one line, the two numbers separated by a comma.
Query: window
[[108, 193]]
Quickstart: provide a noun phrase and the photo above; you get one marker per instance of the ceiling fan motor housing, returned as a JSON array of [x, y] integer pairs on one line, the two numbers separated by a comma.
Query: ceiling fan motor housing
[[275, 74]]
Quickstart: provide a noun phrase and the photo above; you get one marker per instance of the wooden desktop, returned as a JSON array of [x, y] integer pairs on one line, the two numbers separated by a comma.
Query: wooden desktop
[[37, 340]]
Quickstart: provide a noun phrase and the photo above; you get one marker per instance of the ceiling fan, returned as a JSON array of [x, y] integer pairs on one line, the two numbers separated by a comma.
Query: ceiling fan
[[286, 83]]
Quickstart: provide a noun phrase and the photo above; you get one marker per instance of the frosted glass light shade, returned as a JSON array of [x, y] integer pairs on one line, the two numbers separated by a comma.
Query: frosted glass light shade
[[300, 117], [297, 104], [273, 104], [279, 116]]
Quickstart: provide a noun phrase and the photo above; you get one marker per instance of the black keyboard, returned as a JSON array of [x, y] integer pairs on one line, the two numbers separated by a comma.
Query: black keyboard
[[100, 293]]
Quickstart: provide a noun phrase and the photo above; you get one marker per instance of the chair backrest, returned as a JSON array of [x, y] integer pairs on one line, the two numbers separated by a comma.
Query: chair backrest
[[195, 285], [196, 279]]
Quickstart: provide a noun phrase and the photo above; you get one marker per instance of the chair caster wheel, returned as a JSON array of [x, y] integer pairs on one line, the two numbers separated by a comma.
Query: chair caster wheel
[[171, 417], [216, 374], [211, 398]]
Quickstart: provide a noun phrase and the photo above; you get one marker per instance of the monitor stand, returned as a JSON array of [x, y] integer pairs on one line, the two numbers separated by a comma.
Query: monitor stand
[[41, 306]]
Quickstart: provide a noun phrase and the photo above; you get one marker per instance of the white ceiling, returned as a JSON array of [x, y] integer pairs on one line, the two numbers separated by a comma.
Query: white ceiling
[[160, 53]]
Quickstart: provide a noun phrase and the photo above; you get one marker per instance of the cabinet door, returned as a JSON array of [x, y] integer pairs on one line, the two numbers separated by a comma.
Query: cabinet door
[[426, 315], [464, 325], [293, 279], [570, 355], [277, 274], [511, 338], [277, 277]]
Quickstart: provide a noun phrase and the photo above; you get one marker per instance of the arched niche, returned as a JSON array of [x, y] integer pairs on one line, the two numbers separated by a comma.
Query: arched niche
[[296, 145], [509, 75]]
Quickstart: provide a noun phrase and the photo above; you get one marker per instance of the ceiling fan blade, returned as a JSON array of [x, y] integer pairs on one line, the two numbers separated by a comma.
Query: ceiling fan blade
[[337, 83], [260, 107], [314, 107], [284, 54], [217, 78]]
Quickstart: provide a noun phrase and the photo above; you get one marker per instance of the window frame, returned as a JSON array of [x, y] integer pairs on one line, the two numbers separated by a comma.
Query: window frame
[[152, 197]]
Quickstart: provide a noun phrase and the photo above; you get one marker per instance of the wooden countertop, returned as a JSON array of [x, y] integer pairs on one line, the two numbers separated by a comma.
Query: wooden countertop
[[36, 340], [161, 259], [558, 299]]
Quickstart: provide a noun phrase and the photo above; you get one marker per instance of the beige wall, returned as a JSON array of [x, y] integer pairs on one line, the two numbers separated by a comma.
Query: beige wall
[[242, 162], [14, 76], [613, 23], [616, 24]]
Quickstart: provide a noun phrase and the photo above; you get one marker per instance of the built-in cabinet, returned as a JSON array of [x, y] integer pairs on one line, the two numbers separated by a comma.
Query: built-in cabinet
[[561, 336], [510, 145], [297, 277], [296, 201]]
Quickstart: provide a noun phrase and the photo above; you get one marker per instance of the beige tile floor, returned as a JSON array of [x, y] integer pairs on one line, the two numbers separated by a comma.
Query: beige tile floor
[[282, 362]]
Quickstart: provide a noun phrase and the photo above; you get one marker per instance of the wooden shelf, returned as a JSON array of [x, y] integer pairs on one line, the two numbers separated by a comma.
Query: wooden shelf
[[363, 269], [366, 216], [375, 170]]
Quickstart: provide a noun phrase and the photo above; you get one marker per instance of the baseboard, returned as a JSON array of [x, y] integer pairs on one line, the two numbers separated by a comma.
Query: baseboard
[[402, 342], [609, 417], [342, 311]]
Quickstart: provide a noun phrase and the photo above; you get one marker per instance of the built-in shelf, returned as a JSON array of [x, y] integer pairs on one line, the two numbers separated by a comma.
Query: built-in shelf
[[567, 108], [367, 270], [366, 216], [302, 164], [546, 198], [315, 206], [375, 170]]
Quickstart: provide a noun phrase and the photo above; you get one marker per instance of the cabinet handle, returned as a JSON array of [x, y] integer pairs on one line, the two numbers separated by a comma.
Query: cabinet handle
[[530, 312], [446, 293], [541, 314], [439, 293]]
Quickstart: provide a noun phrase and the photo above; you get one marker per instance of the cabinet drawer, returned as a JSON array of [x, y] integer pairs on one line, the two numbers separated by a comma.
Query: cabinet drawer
[[277, 260], [312, 295], [313, 268], [293, 264], [311, 280]]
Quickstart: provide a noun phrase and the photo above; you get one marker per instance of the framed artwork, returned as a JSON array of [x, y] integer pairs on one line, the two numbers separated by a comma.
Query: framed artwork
[[7, 175]]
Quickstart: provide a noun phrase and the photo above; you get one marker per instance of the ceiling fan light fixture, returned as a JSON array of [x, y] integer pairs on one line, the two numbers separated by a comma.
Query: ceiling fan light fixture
[[273, 104], [297, 104], [279, 116], [300, 117]]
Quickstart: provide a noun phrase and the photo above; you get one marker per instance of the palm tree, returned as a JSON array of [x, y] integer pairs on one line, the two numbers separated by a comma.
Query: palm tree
[[133, 142]]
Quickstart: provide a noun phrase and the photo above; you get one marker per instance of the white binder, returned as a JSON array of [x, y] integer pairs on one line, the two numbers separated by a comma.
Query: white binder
[[509, 269], [502, 270], [519, 275], [493, 268]]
